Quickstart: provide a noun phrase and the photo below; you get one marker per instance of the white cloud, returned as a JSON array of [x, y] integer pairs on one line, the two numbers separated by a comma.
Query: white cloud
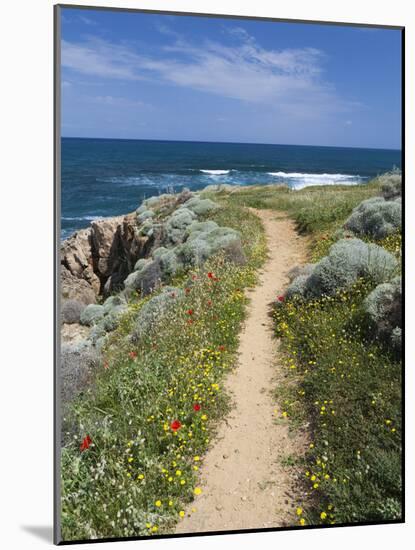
[[290, 79]]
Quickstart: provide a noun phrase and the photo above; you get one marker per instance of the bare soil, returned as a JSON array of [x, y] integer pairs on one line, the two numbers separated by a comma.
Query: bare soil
[[244, 482]]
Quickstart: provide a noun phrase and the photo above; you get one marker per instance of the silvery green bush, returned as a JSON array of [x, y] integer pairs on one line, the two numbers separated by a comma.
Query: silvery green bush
[[200, 206], [78, 362], [391, 184], [92, 314], [348, 260], [177, 224], [154, 311], [71, 311], [384, 307], [113, 302], [143, 216], [376, 218]]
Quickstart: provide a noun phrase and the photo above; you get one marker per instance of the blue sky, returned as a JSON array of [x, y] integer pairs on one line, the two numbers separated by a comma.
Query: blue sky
[[151, 76]]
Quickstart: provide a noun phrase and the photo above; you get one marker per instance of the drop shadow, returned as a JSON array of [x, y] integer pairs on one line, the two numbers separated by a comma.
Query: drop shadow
[[43, 532]]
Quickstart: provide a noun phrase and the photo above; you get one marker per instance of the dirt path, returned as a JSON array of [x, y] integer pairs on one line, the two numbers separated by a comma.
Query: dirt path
[[244, 483]]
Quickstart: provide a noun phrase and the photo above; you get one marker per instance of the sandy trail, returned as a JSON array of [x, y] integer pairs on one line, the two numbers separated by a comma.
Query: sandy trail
[[244, 483]]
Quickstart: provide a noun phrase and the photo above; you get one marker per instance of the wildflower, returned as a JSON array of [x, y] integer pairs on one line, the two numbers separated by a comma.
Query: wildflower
[[302, 521], [106, 365], [204, 417], [196, 407], [154, 528], [196, 458], [86, 442], [148, 525], [187, 290], [170, 503], [299, 511], [158, 503], [197, 491], [132, 354], [189, 312], [210, 275], [181, 513], [178, 473], [281, 298], [221, 348], [140, 476], [176, 425], [315, 485], [323, 515], [182, 482], [209, 302]]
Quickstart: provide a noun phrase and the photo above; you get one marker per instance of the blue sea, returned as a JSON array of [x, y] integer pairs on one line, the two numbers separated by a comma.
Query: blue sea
[[109, 177]]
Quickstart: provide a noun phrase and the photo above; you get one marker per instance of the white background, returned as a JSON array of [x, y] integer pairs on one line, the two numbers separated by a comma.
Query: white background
[[26, 295]]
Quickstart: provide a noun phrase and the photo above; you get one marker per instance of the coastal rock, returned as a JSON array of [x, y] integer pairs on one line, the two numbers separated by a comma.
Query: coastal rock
[[76, 288]]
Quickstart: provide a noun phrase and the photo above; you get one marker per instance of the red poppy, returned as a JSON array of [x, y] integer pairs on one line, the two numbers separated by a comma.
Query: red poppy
[[216, 279], [173, 295], [176, 425], [189, 312], [280, 298], [209, 303], [187, 290], [106, 366], [133, 354], [221, 348], [86, 442], [194, 277], [196, 407], [190, 321], [210, 275]]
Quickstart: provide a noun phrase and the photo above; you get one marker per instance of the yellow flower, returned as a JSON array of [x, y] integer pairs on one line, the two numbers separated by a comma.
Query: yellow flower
[[323, 515], [140, 476], [204, 417], [299, 511], [154, 528], [148, 525], [170, 503], [196, 458], [315, 485], [178, 472], [130, 459], [302, 521], [313, 477], [311, 445], [181, 514], [197, 491], [158, 503], [284, 414]]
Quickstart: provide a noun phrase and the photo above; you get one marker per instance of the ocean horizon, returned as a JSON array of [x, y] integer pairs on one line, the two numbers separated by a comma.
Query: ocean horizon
[[102, 177]]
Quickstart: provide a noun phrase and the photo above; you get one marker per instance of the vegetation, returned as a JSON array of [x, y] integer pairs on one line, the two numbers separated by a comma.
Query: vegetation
[[138, 435], [135, 438]]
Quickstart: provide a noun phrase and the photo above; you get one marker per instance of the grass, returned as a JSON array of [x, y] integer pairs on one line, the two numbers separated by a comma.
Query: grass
[[151, 413], [140, 467], [342, 380]]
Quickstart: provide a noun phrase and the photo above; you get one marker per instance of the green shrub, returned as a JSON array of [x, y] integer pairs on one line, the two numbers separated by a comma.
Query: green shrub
[[376, 218], [199, 206], [92, 314], [391, 184], [71, 311], [177, 224], [384, 307], [347, 261]]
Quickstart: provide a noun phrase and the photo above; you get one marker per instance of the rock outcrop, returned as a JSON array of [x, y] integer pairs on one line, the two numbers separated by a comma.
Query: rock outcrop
[[95, 261]]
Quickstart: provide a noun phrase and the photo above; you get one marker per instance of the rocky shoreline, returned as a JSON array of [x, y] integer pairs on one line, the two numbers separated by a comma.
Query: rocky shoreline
[[115, 259]]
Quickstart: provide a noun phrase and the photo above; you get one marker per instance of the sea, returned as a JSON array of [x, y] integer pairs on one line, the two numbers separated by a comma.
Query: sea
[[110, 177]]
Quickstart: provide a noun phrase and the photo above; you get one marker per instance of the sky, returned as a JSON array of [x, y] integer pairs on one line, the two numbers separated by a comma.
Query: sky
[[134, 75]]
